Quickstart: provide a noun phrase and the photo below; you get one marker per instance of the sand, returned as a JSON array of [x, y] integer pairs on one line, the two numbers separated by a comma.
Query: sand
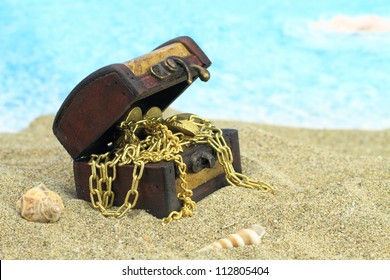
[[332, 201]]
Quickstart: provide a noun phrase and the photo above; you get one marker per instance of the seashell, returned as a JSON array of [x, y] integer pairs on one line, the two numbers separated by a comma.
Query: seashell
[[248, 236], [40, 204]]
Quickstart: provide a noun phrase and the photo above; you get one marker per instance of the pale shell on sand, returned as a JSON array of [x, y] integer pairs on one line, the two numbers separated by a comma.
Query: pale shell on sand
[[40, 204], [248, 236]]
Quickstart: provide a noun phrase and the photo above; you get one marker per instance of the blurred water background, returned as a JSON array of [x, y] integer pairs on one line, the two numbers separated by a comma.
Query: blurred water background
[[269, 66]]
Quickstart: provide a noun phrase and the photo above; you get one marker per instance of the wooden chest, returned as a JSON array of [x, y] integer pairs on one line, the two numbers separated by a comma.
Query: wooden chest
[[87, 122]]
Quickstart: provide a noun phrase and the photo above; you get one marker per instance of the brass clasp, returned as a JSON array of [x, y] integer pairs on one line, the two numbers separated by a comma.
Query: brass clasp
[[169, 66]]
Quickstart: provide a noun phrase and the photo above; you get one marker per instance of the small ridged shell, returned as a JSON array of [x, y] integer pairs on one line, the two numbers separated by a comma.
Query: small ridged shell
[[40, 204], [248, 236]]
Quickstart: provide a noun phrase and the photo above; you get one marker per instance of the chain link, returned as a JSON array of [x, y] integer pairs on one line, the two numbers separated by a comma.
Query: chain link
[[150, 140]]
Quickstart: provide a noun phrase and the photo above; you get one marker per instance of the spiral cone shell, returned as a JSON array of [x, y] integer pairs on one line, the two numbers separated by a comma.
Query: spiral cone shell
[[40, 204], [248, 236]]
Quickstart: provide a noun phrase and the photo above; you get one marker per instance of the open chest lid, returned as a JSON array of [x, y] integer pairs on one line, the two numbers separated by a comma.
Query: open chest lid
[[86, 121]]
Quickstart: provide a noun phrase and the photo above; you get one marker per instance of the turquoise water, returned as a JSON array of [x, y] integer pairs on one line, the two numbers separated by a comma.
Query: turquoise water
[[268, 65]]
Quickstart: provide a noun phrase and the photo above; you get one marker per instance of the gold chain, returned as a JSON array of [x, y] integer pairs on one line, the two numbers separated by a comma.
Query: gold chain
[[153, 139]]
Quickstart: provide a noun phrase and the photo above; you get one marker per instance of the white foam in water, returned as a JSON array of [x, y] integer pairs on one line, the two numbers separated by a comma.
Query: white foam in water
[[270, 65]]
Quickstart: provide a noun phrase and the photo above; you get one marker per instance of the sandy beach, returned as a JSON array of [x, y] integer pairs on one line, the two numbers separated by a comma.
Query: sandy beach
[[332, 201]]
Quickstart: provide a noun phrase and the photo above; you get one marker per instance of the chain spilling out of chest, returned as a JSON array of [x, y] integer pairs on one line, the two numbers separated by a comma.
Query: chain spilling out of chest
[[126, 155]]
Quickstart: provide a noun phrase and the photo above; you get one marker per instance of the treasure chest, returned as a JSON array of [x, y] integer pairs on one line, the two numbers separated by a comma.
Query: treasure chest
[[88, 120]]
